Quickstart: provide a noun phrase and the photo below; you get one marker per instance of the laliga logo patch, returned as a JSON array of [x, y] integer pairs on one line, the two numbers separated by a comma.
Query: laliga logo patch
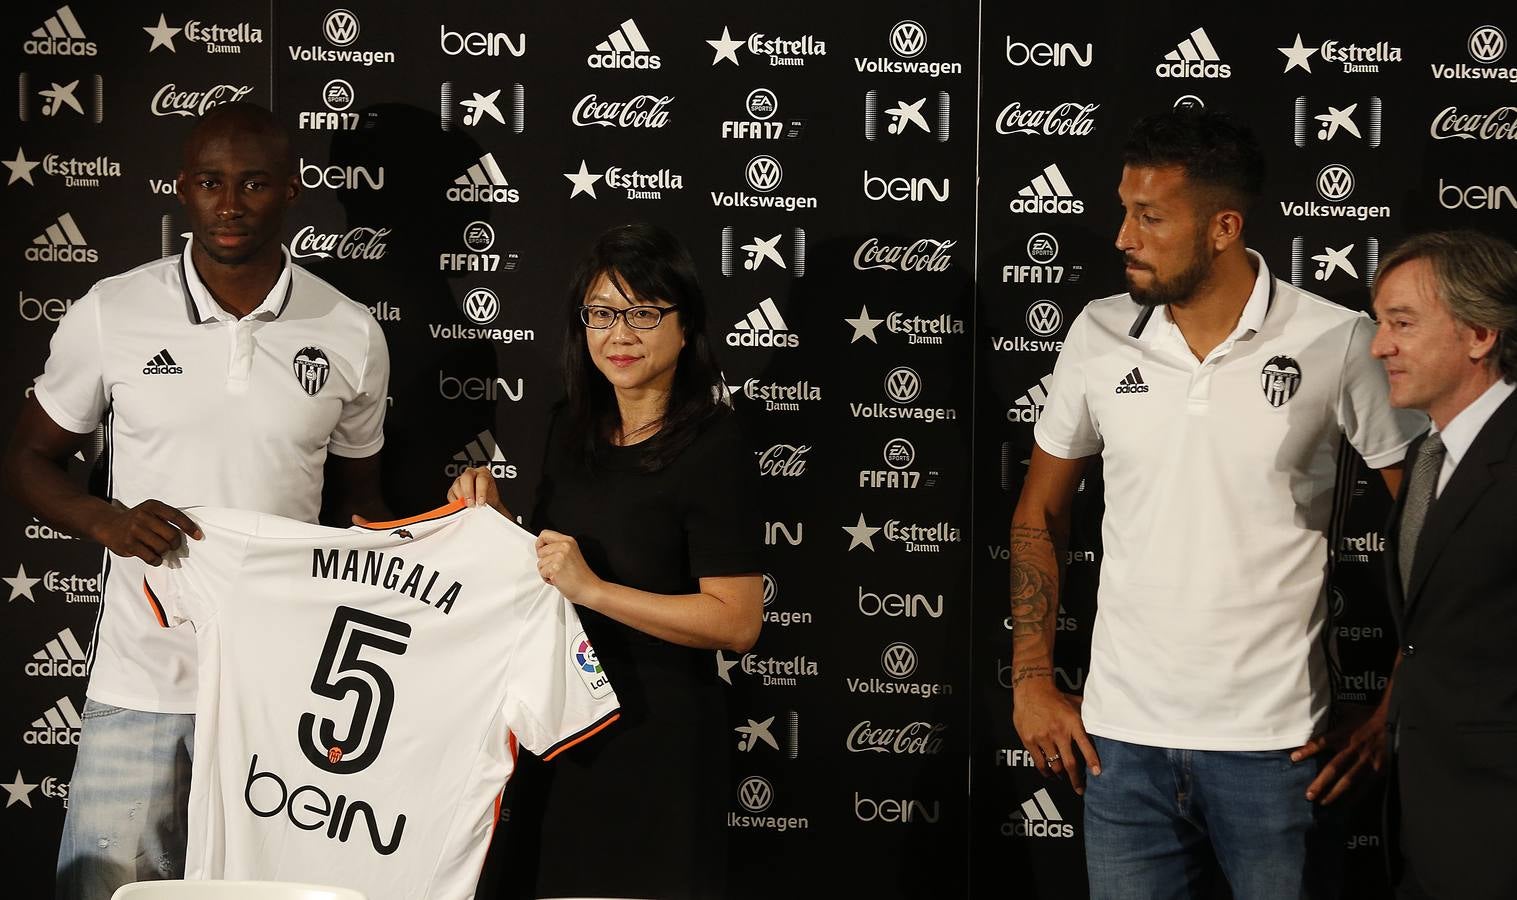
[[1280, 378], [588, 666], [311, 369]]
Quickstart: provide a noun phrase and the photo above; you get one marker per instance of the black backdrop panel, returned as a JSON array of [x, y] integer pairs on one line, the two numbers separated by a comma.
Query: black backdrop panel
[[896, 209]]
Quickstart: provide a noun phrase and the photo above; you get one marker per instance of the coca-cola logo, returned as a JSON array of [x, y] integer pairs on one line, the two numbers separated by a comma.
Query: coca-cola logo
[[924, 255], [1500, 124], [642, 111], [359, 242], [170, 101], [1069, 119], [784, 460], [913, 739]]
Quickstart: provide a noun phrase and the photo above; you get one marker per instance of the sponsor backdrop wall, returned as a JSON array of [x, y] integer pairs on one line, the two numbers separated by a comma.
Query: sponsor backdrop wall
[[897, 210]]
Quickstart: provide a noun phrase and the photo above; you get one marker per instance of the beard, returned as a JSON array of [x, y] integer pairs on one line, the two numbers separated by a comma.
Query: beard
[[1176, 289]]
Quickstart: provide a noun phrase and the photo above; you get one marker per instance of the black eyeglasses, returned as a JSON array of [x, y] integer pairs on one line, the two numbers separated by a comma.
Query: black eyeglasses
[[640, 317]]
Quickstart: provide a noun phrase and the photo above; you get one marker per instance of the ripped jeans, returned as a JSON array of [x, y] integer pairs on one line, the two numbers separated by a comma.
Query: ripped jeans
[[128, 801]]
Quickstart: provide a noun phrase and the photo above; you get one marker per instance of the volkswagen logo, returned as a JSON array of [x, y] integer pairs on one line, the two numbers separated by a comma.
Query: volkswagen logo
[[908, 39], [340, 27], [1335, 182], [1042, 248], [1044, 318], [762, 103], [899, 660], [899, 453], [1487, 44], [771, 588], [903, 384], [337, 95], [479, 236], [481, 306], [763, 173], [755, 794]]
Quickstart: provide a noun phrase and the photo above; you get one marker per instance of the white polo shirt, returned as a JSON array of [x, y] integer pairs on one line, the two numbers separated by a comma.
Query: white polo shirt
[[1220, 484], [203, 408]]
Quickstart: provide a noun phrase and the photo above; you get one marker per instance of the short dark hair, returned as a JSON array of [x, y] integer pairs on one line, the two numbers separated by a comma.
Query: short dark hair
[[644, 263], [1216, 152], [1475, 276], [243, 118]]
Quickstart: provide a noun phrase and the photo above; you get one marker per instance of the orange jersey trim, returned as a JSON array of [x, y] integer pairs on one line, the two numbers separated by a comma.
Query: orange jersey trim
[[582, 736], [152, 600], [438, 513]]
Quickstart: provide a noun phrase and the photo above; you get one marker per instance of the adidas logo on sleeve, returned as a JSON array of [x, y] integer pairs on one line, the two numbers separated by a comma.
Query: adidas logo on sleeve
[[1132, 383], [162, 364]]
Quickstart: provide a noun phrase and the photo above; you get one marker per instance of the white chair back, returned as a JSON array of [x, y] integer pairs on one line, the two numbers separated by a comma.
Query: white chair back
[[231, 890]]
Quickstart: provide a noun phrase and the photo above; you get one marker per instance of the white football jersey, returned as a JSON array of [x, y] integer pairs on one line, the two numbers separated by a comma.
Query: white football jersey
[[362, 692]]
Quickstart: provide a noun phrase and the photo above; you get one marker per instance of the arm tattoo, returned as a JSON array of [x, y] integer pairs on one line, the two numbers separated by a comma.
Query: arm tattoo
[[1024, 673], [1034, 582]]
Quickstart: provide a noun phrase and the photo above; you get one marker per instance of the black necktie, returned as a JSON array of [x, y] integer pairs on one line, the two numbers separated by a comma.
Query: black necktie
[[1419, 496]]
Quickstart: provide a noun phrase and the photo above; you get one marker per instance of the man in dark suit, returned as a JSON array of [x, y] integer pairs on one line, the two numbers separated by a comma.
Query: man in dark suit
[[1447, 309]]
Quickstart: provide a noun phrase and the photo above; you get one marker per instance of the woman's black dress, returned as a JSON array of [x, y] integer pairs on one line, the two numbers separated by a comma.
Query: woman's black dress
[[638, 810]]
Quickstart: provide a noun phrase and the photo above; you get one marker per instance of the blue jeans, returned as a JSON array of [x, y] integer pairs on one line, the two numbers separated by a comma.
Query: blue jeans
[[1159, 821], [128, 801]]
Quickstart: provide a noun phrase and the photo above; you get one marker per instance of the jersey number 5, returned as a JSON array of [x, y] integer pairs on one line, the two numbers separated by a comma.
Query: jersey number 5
[[340, 673]]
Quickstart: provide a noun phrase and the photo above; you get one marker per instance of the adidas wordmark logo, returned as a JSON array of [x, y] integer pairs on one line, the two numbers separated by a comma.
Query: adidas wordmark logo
[[763, 327], [1039, 818], [483, 182], [162, 364], [60, 35], [1132, 383], [59, 725], [1048, 193], [1195, 57], [624, 48], [1029, 406], [62, 242], [482, 451], [61, 656]]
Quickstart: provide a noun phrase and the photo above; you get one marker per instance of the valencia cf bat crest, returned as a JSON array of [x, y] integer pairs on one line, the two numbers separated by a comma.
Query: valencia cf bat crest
[[312, 369]]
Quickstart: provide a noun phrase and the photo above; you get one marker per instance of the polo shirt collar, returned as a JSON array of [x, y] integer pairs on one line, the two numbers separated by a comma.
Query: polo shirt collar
[[1249, 321], [201, 307]]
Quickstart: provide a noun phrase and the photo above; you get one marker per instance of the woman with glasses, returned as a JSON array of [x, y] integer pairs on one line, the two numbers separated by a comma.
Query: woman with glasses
[[650, 525]]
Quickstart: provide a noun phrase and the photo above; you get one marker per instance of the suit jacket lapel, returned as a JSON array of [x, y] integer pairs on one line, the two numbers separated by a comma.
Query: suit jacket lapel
[[1492, 446]]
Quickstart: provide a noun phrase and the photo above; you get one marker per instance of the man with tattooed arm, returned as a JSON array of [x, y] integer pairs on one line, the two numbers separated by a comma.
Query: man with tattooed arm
[[1219, 399]]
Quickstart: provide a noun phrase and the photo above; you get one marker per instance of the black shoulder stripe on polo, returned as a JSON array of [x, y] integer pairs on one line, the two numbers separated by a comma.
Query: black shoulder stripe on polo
[[1141, 322], [189, 299], [288, 288]]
